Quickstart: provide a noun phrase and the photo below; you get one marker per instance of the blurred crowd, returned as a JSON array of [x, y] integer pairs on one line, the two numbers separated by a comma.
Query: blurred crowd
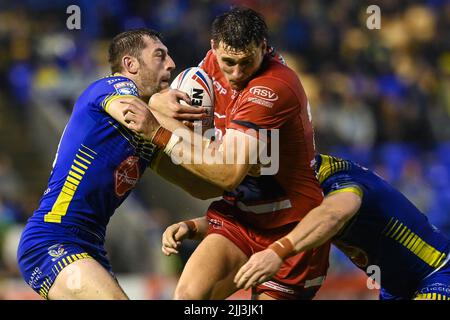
[[380, 97]]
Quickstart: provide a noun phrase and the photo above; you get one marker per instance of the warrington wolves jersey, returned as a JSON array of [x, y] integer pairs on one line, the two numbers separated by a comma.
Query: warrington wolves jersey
[[388, 231], [97, 163]]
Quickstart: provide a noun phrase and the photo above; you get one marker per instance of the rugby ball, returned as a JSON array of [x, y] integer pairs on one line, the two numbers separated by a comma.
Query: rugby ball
[[199, 86]]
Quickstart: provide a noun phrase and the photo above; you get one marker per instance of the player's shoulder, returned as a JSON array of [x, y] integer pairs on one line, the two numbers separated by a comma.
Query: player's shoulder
[[276, 77], [114, 84], [338, 175], [275, 68], [327, 166]]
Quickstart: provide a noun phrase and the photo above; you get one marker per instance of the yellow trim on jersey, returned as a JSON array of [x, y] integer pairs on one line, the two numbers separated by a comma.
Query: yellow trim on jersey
[[69, 185], [80, 164], [84, 159], [405, 228], [408, 239], [405, 236], [75, 175], [420, 296], [45, 285], [415, 244], [88, 149], [86, 154], [392, 227], [72, 180], [48, 282], [132, 142], [430, 296], [59, 209], [68, 190], [396, 230], [330, 165], [353, 189], [107, 97], [411, 243], [388, 225], [77, 169], [43, 293], [107, 102]]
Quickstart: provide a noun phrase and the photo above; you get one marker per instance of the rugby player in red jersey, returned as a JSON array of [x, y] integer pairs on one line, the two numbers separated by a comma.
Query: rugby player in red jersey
[[254, 90]]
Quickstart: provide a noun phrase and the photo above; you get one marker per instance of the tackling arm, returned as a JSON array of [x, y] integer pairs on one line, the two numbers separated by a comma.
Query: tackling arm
[[324, 221], [228, 165], [317, 227], [224, 167], [162, 165], [196, 187], [116, 108]]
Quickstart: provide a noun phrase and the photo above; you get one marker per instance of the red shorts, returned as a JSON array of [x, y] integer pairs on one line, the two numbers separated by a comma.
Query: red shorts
[[300, 276]]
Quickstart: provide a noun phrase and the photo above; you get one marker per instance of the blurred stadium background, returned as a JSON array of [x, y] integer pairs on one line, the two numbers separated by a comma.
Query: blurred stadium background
[[380, 97]]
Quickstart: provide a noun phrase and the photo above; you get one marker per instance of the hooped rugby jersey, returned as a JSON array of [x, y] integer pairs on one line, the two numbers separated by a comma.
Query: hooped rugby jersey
[[388, 231], [97, 164]]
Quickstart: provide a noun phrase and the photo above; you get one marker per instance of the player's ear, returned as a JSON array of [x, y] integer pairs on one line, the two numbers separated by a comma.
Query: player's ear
[[264, 46], [130, 64]]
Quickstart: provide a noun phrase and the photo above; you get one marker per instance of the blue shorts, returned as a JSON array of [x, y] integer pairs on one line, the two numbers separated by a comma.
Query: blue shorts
[[436, 286], [45, 249]]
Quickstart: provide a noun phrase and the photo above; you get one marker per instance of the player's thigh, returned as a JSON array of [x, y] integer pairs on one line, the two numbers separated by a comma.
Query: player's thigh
[[210, 270], [85, 279]]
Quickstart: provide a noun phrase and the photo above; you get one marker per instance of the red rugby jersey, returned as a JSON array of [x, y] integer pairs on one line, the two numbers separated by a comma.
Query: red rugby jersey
[[273, 99]]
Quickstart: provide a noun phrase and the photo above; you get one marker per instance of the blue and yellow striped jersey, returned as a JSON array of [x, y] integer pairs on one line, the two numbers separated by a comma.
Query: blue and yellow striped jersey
[[97, 164], [388, 231]]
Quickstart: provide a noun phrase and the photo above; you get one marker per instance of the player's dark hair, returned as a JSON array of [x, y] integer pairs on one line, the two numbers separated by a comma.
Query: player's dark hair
[[238, 28], [128, 43]]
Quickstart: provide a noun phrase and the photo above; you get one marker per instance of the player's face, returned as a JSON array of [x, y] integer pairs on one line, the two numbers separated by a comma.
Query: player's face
[[238, 67], [155, 67]]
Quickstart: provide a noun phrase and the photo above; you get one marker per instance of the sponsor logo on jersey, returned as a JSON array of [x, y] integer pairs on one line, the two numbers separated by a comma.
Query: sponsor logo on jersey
[[126, 88], [126, 175], [35, 276], [264, 93], [335, 186], [47, 191], [219, 88], [114, 80], [56, 251], [261, 102]]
